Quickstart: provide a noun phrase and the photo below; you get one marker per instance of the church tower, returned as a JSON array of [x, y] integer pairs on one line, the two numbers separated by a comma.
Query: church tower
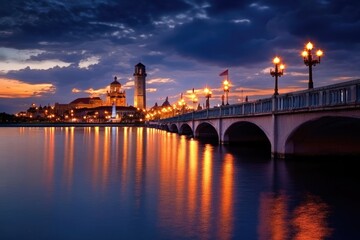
[[116, 96], [140, 89]]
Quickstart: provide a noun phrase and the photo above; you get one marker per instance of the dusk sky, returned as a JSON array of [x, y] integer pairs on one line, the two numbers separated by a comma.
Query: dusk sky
[[57, 51]]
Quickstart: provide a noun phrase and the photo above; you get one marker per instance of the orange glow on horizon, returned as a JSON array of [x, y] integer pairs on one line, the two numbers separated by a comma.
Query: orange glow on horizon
[[12, 88]]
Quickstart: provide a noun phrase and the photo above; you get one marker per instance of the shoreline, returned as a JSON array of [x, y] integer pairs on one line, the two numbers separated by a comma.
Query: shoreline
[[73, 125]]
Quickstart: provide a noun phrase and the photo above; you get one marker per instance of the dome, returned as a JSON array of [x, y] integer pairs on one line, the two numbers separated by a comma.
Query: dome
[[115, 82]]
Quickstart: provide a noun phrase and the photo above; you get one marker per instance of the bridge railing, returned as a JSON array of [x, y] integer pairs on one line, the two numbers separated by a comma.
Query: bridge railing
[[342, 94], [329, 96]]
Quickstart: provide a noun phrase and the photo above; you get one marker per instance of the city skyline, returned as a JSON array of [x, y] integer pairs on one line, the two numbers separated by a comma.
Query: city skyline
[[56, 52]]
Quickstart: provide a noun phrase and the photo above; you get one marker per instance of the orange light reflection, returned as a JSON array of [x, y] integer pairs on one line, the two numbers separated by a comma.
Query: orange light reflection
[[226, 198], [205, 211], [69, 156], [49, 156], [273, 215], [193, 182], [310, 220]]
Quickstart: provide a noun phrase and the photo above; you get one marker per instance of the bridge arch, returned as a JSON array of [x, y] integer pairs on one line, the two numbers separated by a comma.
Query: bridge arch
[[325, 136], [246, 134], [173, 128], [185, 129], [164, 127], [206, 131]]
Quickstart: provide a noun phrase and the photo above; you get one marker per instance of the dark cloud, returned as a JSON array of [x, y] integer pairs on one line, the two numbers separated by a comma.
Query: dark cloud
[[219, 42], [78, 21]]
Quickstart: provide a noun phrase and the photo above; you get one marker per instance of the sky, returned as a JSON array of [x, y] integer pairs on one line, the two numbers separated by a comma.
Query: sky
[[56, 51]]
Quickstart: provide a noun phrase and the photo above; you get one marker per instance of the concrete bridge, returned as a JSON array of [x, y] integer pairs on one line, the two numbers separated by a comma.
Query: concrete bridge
[[321, 121]]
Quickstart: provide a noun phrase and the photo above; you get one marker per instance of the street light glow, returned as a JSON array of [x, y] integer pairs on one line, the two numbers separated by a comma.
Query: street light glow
[[276, 60], [277, 72], [226, 90], [304, 54], [208, 96], [319, 53], [310, 61], [309, 46]]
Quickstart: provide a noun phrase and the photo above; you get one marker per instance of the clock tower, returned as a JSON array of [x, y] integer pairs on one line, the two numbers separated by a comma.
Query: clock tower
[[140, 89]]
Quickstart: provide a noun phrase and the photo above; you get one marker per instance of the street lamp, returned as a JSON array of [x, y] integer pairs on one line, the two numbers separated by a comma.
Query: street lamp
[[226, 90], [278, 72], [208, 96], [194, 98], [309, 61], [182, 103]]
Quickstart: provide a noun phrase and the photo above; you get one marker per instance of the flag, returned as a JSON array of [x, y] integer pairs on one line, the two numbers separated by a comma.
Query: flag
[[224, 73]]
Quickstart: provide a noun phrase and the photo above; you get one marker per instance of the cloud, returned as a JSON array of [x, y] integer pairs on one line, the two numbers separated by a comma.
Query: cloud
[[13, 59], [160, 80], [259, 6], [12, 88], [151, 90], [344, 78], [91, 91], [86, 63], [241, 21], [297, 74], [128, 85], [75, 90]]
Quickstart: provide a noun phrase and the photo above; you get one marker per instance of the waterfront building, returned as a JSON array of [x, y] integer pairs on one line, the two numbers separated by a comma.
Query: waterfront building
[[94, 109], [116, 95], [87, 102], [140, 88], [163, 111], [166, 103]]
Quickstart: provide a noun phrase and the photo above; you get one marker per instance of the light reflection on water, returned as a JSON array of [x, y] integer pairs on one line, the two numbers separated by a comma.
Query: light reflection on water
[[139, 183]]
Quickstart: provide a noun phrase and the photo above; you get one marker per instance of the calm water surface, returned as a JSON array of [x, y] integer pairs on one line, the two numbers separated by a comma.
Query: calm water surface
[[139, 183]]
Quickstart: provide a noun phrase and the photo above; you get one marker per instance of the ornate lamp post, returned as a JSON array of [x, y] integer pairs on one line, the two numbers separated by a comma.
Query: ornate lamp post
[[194, 98], [226, 90], [309, 61], [208, 96], [278, 72]]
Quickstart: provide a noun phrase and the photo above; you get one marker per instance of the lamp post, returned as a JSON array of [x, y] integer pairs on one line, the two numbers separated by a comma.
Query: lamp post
[[182, 104], [309, 61], [194, 98], [208, 96], [226, 90], [278, 72]]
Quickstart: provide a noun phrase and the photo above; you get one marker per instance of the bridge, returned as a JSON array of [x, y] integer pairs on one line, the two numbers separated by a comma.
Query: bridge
[[322, 121]]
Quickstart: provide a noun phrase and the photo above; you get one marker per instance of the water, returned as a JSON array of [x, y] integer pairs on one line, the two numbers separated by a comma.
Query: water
[[139, 183]]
